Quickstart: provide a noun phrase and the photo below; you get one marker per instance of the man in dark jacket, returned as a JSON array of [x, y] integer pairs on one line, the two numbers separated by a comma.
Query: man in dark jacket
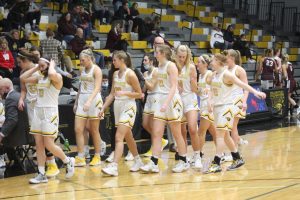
[[15, 129]]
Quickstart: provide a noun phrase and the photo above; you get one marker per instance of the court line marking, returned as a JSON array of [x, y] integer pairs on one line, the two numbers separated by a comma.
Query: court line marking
[[272, 191], [159, 184]]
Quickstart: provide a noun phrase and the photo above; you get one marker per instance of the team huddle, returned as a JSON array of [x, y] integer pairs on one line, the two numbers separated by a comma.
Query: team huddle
[[172, 87]]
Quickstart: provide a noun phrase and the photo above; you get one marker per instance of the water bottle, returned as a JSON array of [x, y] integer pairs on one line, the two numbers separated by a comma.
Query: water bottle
[[67, 145]]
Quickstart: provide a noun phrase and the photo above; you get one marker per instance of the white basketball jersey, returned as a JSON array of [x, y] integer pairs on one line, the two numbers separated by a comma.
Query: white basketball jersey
[[185, 81], [31, 94], [87, 81], [221, 93], [120, 84], [236, 90], [163, 79], [203, 87], [149, 77], [47, 93]]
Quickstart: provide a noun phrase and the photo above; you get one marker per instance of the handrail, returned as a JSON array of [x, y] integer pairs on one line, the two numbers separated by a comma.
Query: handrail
[[155, 13], [251, 33], [156, 6], [194, 12], [191, 31]]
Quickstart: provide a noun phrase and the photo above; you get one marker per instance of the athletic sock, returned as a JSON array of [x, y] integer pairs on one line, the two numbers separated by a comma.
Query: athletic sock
[[41, 170], [183, 158], [235, 155], [217, 160], [154, 159]]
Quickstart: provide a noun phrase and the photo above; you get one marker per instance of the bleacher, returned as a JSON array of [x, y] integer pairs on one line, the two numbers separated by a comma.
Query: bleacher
[[185, 22]]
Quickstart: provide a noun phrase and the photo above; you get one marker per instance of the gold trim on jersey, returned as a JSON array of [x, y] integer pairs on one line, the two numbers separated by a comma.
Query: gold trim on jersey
[[209, 118], [177, 102], [54, 118], [125, 123], [42, 133], [228, 111], [240, 100], [98, 102], [224, 126]]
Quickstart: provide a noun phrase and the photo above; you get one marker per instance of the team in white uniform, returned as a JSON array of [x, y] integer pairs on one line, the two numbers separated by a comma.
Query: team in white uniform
[[206, 114], [240, 96], [168, 109], [188, 88], [152, 90], [87, 86], [125, 89], [221, 90], [87, 107], [45, 120]]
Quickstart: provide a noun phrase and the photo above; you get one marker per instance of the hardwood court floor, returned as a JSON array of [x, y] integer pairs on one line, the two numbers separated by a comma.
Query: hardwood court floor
[[272, 171]]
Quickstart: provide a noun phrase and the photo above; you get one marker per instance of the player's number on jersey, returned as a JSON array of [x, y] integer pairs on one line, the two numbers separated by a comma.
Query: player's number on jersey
[[270, 63]]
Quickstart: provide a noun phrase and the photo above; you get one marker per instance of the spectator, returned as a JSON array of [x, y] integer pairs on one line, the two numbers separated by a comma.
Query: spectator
[[17, 13], [242, 45], [66, 27], [134, 13], [229, 37], [100, 12], [216, 39], [86, 23], [124, 14], [33, 13], [117, 4], [114, 41], [52, 48], [7, 62], [78, 44], [145, 28]]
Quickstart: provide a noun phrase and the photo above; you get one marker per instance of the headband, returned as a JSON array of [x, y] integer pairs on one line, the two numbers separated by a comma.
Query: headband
[[44, 59], [21, 55], [205, 60]]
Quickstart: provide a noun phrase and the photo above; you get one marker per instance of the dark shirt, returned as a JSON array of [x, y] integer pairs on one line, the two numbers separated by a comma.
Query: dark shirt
[[77, 44]]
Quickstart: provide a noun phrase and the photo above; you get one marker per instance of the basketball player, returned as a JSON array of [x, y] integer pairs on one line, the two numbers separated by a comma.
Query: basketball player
[[45, 119], [87, 106], [187, 86], [151, 73], [168, 109], [125, 89], [278, 75], [222, 83], [267, 68], [290, 82], [26, 60], [239, 95], [206, 116]]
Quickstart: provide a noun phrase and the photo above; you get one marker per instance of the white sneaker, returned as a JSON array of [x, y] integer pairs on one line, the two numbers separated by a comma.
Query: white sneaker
[[2, 161], [150, 167], [87, 152], [226, 158], [40, 178], [192, 159], [110, 158], [129, 156], [73, 92], [70, 168], [111, 169], [137, 165], [198, 162], [181, 166], [102, 148], [243, 142]]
